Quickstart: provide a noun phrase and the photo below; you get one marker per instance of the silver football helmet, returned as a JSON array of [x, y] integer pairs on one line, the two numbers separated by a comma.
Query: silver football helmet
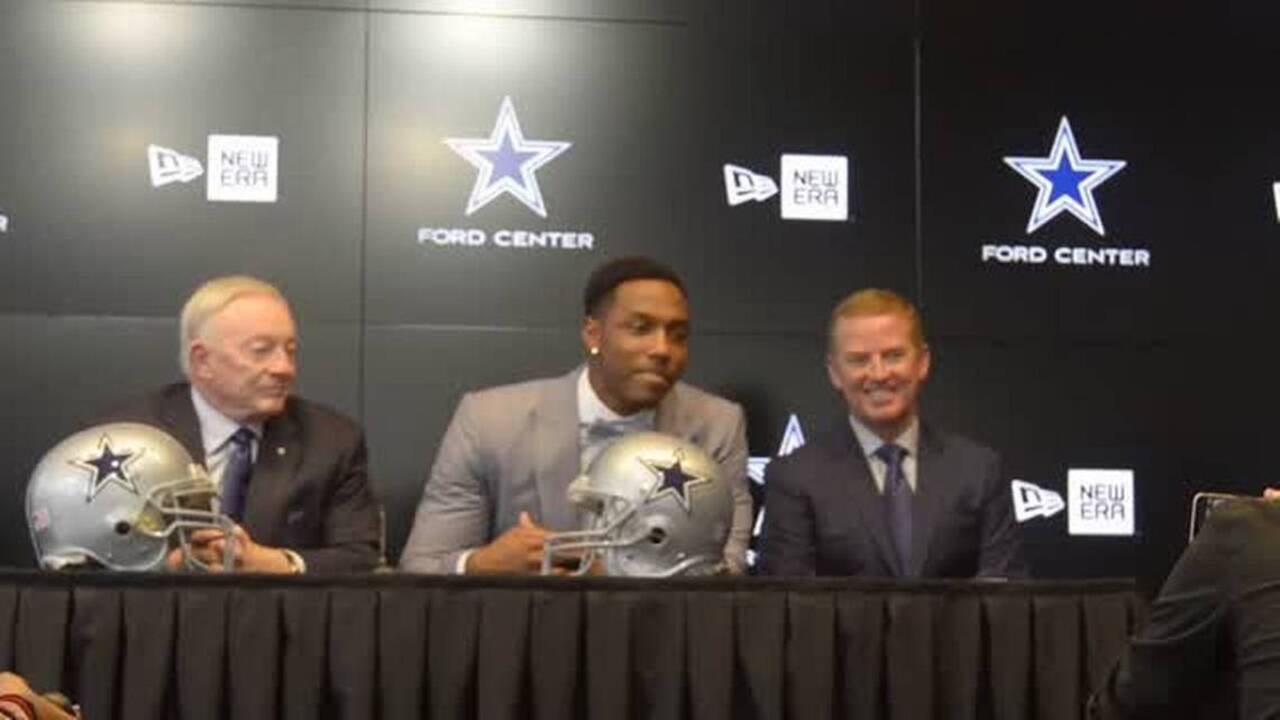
[[653, 505], [120, 496]]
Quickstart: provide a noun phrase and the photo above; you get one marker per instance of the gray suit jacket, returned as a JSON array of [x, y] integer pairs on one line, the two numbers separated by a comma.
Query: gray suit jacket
[[515, 448]]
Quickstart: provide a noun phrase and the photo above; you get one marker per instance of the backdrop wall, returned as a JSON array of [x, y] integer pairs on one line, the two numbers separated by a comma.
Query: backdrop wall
[[414, 279]]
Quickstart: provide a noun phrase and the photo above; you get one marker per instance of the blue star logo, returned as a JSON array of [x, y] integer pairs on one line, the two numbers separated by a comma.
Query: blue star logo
[[792, 439], [108, 467], [1065, 181], [507, 162], [673, 481]]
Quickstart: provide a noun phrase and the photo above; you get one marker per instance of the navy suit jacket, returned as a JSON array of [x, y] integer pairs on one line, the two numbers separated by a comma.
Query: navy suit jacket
[[824, 515], [310, 489]]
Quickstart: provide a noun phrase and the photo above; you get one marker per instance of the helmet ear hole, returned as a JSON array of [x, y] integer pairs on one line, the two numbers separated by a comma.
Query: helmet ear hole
[[657, 535], [123, 527]]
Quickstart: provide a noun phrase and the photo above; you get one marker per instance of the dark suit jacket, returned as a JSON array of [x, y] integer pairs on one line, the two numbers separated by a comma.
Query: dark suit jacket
[[310, 490], [824, 516], [1212, 638]]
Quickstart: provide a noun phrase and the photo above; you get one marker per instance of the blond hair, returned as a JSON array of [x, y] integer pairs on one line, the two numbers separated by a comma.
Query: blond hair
[[208, 300], [876, 301]]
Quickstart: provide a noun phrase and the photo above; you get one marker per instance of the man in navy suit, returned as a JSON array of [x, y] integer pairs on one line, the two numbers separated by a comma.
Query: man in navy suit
[[881, 494]]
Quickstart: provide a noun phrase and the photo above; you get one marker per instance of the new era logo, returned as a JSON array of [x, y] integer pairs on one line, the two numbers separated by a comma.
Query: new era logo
[[815, 187], [243, 168], [170, 166], [1100, 502], [1032, 501], [741, 185]]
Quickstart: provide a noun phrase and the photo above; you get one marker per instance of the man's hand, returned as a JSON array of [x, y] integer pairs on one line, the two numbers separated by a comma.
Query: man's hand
[[208, 545], [1271, 494], [517, 551], [11, 684]]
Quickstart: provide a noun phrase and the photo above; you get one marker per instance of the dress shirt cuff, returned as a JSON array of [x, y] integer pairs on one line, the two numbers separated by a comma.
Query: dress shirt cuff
[[460, 567], [296, 562]]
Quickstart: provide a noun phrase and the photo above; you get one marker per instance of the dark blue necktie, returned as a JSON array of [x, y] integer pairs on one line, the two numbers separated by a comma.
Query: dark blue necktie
[[897, 501], [236, 473]]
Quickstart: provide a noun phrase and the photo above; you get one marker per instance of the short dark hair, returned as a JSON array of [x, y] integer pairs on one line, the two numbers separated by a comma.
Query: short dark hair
[[607, 277]]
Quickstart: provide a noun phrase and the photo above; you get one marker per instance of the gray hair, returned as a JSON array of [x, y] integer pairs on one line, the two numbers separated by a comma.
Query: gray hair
[[208, 300]]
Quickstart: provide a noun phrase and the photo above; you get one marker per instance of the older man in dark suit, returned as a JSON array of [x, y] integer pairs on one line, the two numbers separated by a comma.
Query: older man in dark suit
[[881, 494], [290, 472]]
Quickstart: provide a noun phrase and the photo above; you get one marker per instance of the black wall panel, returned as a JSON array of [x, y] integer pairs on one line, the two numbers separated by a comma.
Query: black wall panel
[[1160, 369]]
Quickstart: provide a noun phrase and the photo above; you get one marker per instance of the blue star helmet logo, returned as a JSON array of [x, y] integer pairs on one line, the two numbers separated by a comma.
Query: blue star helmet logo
[[507, 162], [108, 467], [673, 481], [1065, 181]]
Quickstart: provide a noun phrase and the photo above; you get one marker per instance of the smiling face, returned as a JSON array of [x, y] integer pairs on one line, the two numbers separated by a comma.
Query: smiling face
[[878, 367], [642, 337], [243, 361]]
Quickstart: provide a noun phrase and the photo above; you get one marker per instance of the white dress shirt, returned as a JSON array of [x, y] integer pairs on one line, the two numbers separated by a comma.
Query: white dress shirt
[[909, 440]]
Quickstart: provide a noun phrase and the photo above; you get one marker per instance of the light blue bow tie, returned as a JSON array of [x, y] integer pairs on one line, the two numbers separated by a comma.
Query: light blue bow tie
[[601, 430]]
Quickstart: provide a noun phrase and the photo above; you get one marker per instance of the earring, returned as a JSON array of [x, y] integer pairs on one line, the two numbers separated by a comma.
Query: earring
[[594, 351]]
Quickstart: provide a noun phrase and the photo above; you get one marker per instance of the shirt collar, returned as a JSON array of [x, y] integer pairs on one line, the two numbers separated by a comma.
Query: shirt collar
[[909, 440], [591, 409], [215, 427]]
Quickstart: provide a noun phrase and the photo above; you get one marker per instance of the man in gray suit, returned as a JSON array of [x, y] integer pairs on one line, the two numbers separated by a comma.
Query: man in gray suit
[[499, 483], [881, 494]]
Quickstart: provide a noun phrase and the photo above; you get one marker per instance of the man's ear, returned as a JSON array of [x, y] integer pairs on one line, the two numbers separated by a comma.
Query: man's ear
[[198, 358], [832, 374], [592, 332]]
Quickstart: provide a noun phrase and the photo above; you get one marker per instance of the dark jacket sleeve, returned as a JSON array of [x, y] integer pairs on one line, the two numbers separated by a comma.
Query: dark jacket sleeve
[[1178, 660], [1001, 554], [352, 534], [787, 540]]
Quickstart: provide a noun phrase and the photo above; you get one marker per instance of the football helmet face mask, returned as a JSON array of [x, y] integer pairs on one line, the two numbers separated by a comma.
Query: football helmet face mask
[[119, 495], [653, 506]]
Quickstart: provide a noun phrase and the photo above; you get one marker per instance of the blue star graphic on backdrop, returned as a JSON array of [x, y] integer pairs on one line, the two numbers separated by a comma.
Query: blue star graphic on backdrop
[[507, 162], [108, 467], [672, 480], [1065, 180], [792, 439]]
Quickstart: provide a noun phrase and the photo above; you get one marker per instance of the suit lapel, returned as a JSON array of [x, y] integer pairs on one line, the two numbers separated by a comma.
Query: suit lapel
[[556, 451], [178, 415], [851, 466], [927, 500], [279, 453], [669, 416]]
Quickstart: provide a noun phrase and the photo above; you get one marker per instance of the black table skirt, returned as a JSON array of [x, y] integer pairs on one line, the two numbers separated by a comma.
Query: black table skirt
[[181, 646]]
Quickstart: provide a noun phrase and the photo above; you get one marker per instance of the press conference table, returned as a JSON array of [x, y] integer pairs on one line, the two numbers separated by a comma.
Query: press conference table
[[401, 646]]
